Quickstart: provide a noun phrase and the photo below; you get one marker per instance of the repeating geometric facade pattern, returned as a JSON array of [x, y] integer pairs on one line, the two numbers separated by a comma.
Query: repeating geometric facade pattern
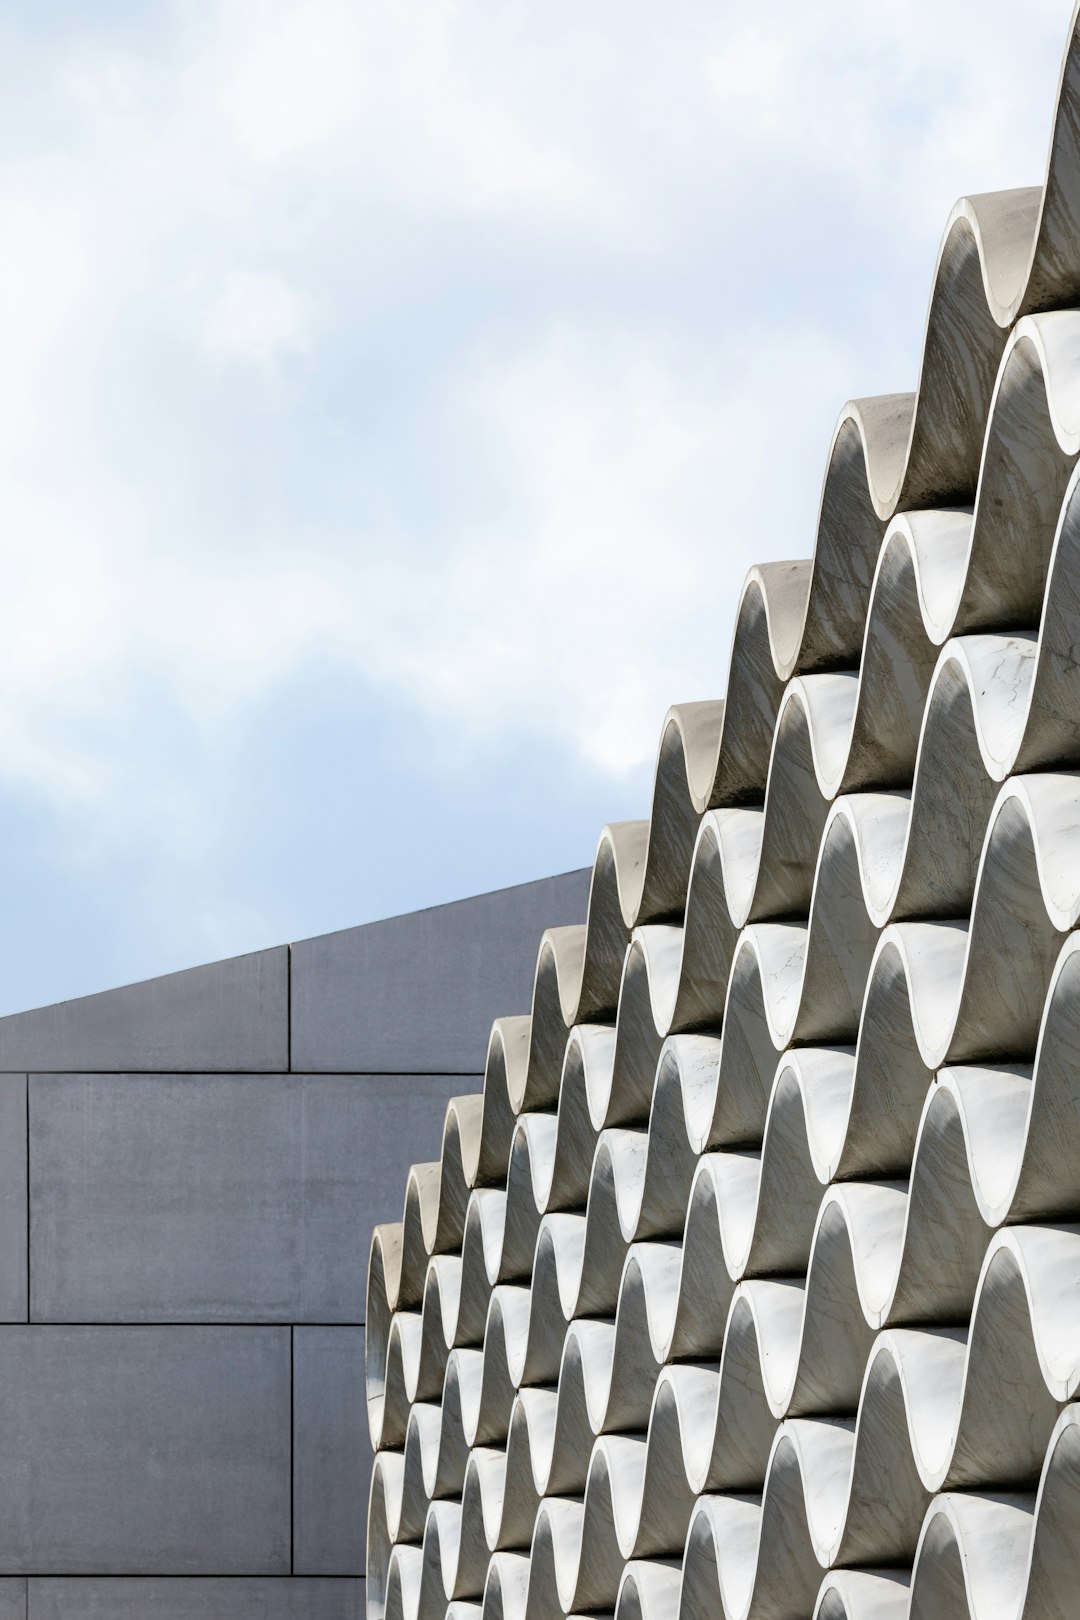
[[751, 1284]]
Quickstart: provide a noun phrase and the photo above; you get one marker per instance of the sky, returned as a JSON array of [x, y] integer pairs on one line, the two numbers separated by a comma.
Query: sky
[[393, 396]]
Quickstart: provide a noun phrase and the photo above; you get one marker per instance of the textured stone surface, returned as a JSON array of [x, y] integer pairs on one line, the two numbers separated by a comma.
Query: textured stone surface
[[414, 993], [145, 1450], [237, 1198], [331, 1453], [228, 1015], [236, 1598]]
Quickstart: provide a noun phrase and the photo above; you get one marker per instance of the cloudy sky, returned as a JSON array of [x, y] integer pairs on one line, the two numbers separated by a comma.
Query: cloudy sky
[[393, 394]]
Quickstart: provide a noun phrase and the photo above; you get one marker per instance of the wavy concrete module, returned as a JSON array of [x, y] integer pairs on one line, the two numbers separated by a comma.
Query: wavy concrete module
[[751, 1284]]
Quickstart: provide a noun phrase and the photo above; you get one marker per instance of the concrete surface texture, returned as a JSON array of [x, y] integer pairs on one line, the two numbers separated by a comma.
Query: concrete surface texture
[[751, 1284], [190, 1169]]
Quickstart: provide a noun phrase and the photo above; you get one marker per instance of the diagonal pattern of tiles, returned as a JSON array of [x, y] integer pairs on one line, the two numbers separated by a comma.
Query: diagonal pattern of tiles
[[751, 1285]]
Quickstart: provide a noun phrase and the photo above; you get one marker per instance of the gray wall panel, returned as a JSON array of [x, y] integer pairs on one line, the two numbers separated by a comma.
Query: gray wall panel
[[227, 1015], [419, 992], [131, 1598], [13, 1235], [181, 1174], [331, 1451], [218, 1197], [144, 1450]]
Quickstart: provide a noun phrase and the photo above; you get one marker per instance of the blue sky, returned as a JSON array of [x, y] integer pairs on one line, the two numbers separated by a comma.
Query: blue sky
[[392, 399]]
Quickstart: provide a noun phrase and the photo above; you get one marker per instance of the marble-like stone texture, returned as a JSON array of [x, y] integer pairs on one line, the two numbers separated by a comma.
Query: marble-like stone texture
[[751, 1284]]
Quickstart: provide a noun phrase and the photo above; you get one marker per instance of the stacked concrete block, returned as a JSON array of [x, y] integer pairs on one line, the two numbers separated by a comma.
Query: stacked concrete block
[[750, 1287], [190, 1169]]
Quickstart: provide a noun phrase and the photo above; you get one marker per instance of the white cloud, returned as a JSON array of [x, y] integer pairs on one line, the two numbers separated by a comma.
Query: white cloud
[[257, 319], [558, 257], [432, 104], [292, 76], [910, 101], [594, 603]]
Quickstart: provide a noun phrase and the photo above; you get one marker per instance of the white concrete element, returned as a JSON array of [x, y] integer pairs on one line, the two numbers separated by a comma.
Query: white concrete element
[[751, 1284]]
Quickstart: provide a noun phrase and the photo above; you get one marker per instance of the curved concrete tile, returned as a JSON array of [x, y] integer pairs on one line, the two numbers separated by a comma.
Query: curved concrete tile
[[751, 1284]]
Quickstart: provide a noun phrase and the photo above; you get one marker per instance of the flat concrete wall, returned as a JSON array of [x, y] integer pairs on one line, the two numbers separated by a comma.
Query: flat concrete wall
[[189, 1172]]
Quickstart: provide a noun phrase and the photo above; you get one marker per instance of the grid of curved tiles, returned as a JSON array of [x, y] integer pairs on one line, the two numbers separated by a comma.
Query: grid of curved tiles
[[751, 1284]]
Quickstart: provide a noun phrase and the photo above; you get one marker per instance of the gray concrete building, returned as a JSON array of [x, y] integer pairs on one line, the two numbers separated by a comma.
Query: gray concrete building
[[191, 1168]]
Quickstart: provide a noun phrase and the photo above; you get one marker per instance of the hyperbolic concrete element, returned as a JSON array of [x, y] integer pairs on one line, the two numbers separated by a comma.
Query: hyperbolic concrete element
[[752, 1284]]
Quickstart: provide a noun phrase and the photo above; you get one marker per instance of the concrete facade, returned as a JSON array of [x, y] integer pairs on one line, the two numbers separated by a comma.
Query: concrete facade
[[751, 1288], [190, 1170]]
